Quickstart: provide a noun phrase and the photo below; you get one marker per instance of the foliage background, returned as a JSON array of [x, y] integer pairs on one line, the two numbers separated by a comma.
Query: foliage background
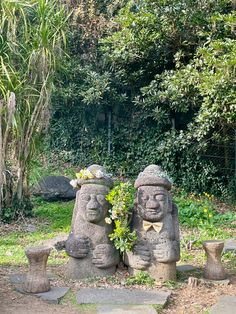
[[150, 82]]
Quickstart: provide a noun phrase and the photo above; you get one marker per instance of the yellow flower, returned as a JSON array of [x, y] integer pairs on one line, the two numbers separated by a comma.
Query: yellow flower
[[205, 210], [210, 215], [84, 174]]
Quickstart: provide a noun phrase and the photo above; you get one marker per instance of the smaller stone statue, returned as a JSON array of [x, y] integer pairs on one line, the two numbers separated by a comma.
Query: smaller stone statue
[[214, 269], [88, 245], [36, 278], [155, 219]]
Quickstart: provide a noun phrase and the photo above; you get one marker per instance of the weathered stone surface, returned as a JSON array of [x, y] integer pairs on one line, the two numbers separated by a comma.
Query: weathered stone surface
[[155, 220], [186, 268], [54, 188], [230, 245], [54, 295], [17, 278], [121, 296], [36, 278], [88, 245], [125, 309], [214, 269], [226, 305], [58, 242]]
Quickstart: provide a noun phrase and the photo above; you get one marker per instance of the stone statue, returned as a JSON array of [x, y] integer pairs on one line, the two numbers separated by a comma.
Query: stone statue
[[155, 219], [88, 245]]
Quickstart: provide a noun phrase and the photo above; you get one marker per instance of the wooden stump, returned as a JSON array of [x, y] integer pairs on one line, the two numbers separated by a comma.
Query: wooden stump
[[193, 282], [36, 278], [214, 269]]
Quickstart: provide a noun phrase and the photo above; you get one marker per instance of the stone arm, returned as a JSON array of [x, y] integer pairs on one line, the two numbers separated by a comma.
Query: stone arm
[[166, 251], [105, 256], [167, 247], [77, 246], [139, 257]]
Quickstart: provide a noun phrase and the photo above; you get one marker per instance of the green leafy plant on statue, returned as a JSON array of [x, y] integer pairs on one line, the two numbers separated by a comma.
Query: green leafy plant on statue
[[121, 198]]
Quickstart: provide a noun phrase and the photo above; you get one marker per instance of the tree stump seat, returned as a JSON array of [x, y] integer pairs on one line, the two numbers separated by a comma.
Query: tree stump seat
[[36, 278], [214, 269]]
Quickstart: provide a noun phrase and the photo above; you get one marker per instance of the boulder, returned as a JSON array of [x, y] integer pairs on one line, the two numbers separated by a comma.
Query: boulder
[[55, 188]]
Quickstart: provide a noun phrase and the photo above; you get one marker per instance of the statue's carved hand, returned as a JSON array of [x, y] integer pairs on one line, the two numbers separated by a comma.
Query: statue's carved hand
[[139, 258], [78, 247], [166, 252], [105, 256]]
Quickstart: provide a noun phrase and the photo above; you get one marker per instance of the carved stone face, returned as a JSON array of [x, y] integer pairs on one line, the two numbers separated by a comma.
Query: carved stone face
[[92, 202], [152, 203]]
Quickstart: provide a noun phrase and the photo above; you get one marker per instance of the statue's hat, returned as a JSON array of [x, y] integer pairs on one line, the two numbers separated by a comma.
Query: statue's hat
[[153, 175]]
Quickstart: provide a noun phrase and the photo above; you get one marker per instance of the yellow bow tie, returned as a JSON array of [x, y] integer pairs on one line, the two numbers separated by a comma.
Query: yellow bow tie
[[155, 225]]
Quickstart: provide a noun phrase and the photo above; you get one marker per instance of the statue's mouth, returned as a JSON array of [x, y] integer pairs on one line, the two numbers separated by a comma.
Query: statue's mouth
[[92, 212], [153, 211]]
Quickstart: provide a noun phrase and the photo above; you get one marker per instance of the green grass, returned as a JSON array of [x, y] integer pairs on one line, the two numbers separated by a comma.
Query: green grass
[[70, 298], [141, 278], [53, 218]]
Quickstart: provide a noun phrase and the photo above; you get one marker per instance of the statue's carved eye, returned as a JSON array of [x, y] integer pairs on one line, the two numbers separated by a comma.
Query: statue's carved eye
[[144, 198], [160, 197], [85, 197], [101, 198]]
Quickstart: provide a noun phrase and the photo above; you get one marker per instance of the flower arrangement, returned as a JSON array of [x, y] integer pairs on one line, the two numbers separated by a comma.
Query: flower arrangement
[[86, 174], [121, 198]]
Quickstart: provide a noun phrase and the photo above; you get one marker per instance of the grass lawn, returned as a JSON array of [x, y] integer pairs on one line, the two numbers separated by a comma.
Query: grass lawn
[[50, 220]]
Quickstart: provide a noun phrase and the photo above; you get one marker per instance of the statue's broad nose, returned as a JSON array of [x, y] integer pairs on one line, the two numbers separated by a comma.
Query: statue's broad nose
[[152, 203], [93, 203]]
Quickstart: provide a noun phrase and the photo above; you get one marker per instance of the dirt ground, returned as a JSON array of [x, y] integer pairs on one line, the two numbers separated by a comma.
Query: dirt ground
[[184, 300]]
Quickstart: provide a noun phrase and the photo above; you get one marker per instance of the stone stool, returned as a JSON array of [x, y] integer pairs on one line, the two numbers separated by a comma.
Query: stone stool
[[214, 269], [36, 278]]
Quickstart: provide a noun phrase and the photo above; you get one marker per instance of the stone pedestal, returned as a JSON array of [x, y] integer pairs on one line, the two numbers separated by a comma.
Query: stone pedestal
[[36, 278], [84, 268], [214, 269], [159, 271]]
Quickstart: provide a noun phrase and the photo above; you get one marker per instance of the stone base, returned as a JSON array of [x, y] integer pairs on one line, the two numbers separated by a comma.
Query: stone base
[[121, 296], [226, 305], [160, 271], [126, 309], [84, 268]]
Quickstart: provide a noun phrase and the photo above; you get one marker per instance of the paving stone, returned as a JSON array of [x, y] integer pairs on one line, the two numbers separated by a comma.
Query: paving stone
[[230, 245], [125, 309], [226, 305], [17, 278], [121, 296], [54, 295], [185, 268]]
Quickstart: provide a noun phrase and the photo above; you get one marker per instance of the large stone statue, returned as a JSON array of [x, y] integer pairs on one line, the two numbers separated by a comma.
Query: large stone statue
[[89, 247], [155, 219]]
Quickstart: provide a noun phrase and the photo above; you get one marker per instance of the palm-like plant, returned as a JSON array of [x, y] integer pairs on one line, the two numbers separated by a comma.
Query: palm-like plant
[[31, 41]]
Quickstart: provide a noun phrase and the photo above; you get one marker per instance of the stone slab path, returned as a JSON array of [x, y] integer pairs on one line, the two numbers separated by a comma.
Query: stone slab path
[[54, 295], [125, 309], [225, 305], [121, 296]]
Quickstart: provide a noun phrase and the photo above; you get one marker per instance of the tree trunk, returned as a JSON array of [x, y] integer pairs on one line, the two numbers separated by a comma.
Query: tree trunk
[[1, 160]]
